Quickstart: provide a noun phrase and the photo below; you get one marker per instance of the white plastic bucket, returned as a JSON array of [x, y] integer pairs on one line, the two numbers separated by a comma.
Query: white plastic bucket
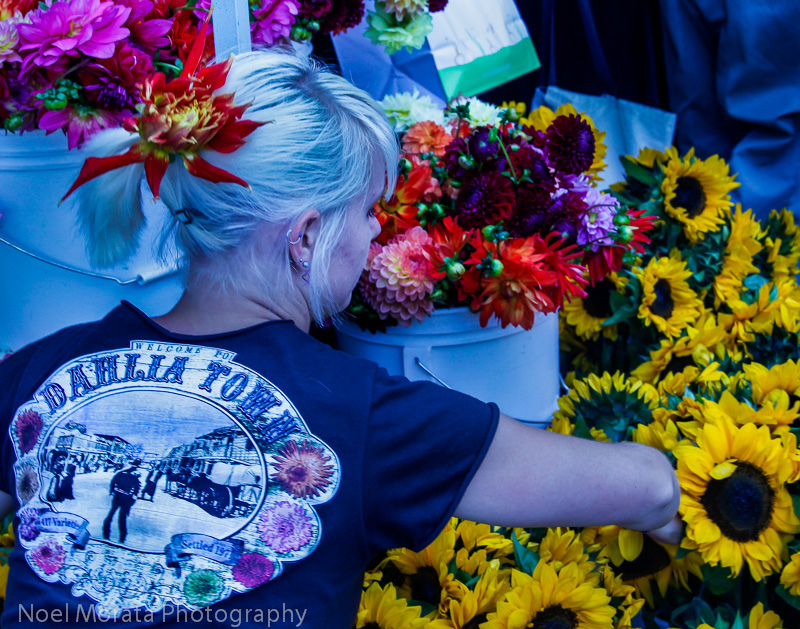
[[515, 368], [37, 297]]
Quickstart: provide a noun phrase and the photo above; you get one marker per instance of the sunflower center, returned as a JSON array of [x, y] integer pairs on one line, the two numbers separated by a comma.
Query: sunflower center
[[371, 625], [663, 304], [555, 617], [597, 301], [740, 505], [653, 558], [475, 622], [689, 194], [425, 586], [678, 363]]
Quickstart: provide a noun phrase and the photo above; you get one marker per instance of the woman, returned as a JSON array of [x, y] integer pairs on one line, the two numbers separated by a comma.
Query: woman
[[229, 383]]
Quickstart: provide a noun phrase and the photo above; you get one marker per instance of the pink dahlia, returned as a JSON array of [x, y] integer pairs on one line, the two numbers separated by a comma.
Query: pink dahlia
[[148, 33], [81, 122], [49, 556], [405, 8], [274, 20], [302, 470], [70, 28], [9, 39], [401, 278]]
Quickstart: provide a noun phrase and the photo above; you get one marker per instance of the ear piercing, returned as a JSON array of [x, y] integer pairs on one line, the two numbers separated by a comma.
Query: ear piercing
[[289, 237]]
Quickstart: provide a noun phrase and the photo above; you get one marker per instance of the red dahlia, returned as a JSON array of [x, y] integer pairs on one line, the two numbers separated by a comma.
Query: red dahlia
[[484, 200]]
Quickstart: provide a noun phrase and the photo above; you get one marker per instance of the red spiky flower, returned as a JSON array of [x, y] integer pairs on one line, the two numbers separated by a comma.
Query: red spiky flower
[[181, 118]]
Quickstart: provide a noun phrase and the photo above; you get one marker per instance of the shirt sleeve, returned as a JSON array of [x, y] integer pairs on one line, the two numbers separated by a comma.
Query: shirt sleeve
[[423, 445]]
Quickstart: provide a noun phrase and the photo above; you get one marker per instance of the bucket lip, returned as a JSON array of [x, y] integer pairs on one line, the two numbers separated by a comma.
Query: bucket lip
[[35, 143], [457, 320]]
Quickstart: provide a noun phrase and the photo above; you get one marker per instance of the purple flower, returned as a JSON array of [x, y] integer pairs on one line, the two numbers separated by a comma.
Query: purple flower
[[112, 83], [81, 122], [71, 28], [481, 146], [49, 556], [9, 39], [27, 428], [253, 569], [274, 20], [598, 221], [533, 214], [285, 527], [570, 144], [27, 524], [484, 200], [315, 9]]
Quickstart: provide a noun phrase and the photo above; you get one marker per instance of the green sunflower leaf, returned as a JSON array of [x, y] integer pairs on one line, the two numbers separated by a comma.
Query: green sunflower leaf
[[526, 558], [718, 579], [427, 607], [794, 601], [738, 623], [638, 172], [682, 552], [582, 429]]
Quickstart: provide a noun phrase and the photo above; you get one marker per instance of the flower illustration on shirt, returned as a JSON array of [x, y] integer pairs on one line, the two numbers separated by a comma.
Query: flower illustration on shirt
[[27, 524], [203, 587], [285, 527], [303, 470], [253, 569], [27, 482], [49, 556], [28, 426]]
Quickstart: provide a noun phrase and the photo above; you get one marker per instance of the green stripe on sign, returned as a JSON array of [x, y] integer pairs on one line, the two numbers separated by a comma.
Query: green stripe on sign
[[488, 72]]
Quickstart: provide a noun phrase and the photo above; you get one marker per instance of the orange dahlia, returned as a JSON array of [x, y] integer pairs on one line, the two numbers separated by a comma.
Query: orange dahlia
[[426, 137]]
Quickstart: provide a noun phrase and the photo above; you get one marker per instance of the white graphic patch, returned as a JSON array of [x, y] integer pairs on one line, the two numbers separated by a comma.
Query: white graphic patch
[[165, 474]]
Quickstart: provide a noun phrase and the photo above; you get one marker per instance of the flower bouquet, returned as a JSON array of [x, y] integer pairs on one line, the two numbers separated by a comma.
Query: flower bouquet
[[691, 347], [77, 65], [494, 211]]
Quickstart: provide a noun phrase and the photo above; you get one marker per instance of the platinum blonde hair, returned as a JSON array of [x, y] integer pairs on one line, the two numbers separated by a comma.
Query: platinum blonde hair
[[324, 143]]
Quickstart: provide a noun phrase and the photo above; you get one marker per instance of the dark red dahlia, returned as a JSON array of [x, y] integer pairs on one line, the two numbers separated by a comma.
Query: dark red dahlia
[[484, 200], [315, 9], [570, 144], [528, 161], [452, 155], [112, 83], [436, 5], [570, 205], [28, 426], [344, 14], [533, 214]]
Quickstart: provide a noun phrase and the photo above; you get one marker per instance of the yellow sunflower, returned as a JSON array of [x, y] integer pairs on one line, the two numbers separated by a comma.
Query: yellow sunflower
[[782, 242], [790, 577], [777, 304], [562, 546], [696, 192], [759, 619], [639, 560], [541, 118], [667, 301], [661, 433], [550, 596], [604, 403], [630, 604], [380, 608], [734, 501], [689, 355], [586, 315], [469, 611], [428, 578], [742, 246], [647, 157], [770, 384]]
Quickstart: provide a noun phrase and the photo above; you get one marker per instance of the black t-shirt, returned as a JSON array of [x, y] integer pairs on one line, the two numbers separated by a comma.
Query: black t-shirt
[[283, 467]]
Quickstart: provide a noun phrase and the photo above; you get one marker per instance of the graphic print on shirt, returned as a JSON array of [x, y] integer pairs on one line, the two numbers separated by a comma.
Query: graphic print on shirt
[[165, 474]]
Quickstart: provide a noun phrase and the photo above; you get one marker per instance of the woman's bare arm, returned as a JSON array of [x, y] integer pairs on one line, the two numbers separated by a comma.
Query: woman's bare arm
[[531, 477]]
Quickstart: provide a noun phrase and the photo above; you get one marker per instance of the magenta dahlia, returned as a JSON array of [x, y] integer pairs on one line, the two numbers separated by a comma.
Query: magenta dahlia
[[149, 34], [64, 29], [9, 38], [274, 20], [485, 199], [570, 144], [400, 281], [81, 122]]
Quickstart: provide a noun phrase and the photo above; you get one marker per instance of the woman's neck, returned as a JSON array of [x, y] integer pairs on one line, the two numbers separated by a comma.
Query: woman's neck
[[212, 312]]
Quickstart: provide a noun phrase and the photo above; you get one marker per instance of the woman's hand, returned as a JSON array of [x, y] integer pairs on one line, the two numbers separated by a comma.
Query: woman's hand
[[670, 533]]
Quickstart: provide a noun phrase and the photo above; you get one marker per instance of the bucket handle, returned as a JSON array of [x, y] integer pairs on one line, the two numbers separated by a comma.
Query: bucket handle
[[134, 280], [419, 364]]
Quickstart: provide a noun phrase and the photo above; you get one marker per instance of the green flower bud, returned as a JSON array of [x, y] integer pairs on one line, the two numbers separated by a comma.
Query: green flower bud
[[56, 103], [625, 234], [405, 166], [438, 210], [300, 33], [422, 210], [496, 268], [313, 25], [14, 122], [621, 220], [466, 162], [455, 270]]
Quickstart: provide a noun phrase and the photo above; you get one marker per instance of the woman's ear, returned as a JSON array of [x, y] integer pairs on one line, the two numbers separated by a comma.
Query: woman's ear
[[304, 235]]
